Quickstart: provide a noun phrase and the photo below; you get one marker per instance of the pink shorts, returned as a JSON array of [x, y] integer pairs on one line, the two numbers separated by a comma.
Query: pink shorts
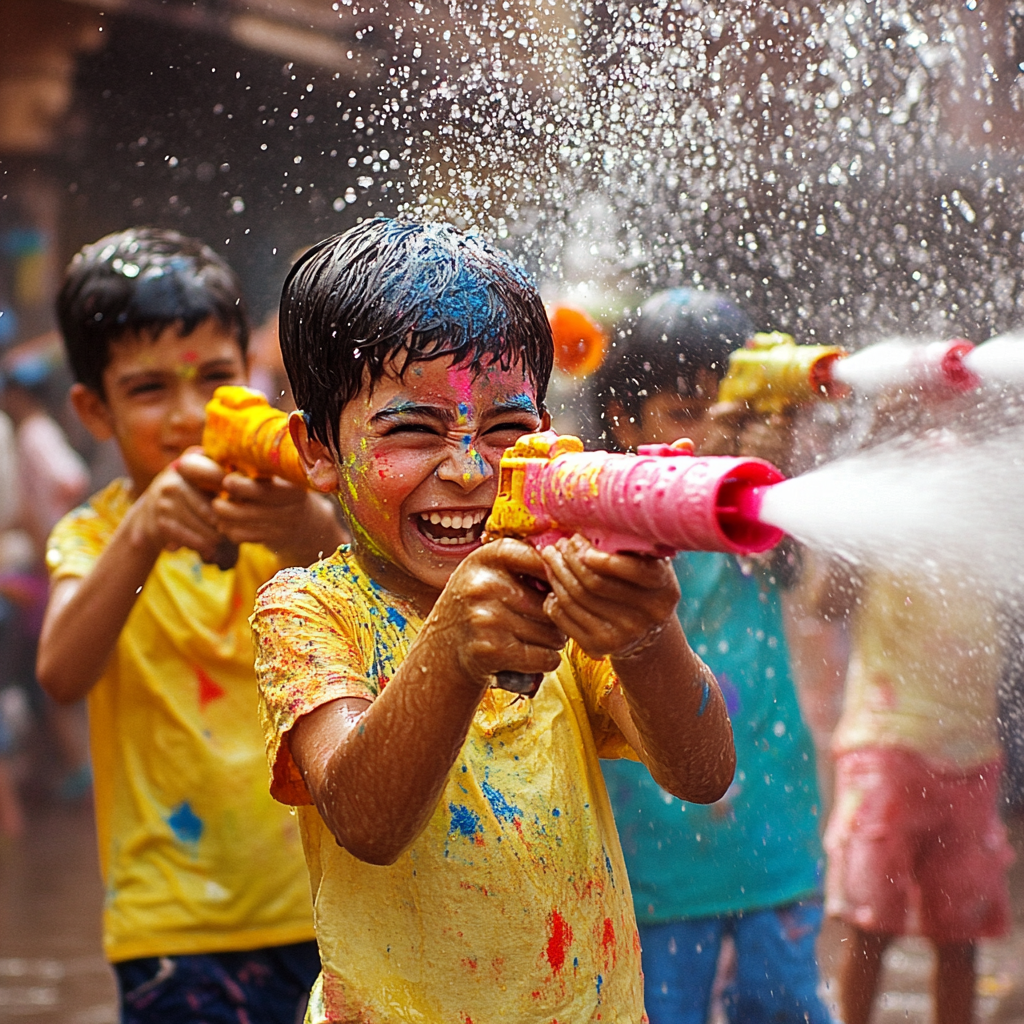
[[912, 850]]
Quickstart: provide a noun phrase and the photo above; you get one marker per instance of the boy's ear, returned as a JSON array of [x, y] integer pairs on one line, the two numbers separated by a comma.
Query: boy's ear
[[627, 432], [93, 411], [316, 457]]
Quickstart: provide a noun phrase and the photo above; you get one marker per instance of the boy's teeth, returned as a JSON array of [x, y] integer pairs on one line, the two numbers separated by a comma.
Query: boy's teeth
[[435, 518], [446, 520]]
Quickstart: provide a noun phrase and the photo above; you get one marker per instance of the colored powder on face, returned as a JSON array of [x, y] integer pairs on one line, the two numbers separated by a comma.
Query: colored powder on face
[[518, 403], [465, 822], [503, 810]]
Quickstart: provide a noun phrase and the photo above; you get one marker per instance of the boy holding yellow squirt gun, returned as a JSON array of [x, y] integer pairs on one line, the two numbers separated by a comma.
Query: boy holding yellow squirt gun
[[207, 912]]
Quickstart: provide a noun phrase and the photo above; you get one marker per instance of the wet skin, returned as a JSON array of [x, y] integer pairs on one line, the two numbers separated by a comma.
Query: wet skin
[[430, 443], [424, 445]]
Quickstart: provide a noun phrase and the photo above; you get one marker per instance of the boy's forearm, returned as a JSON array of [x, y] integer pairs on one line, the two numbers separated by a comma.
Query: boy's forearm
[[679, 713], [84, 617], [382, 776]]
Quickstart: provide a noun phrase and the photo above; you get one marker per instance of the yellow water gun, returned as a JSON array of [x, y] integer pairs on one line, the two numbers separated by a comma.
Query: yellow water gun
[[772, 373], [245, 433]]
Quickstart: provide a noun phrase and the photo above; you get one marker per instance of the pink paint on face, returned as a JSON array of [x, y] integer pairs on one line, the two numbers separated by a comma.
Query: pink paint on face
[[418, 466]]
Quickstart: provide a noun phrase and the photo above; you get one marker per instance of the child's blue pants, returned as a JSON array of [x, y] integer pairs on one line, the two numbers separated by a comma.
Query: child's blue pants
[[776, 978]]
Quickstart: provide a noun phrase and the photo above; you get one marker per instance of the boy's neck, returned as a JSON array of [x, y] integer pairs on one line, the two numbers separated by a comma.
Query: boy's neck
[[385, 574]]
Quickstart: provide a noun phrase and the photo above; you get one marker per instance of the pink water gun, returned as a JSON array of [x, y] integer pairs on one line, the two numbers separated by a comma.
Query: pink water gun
[[660, 501]]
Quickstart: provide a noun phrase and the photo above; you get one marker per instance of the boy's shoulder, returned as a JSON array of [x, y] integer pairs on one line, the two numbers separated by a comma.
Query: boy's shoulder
[[337, 581], [83, 532]]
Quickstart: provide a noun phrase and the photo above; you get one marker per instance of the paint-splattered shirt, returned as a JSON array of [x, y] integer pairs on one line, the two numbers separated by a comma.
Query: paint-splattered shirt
[[196, 856], [513, 903]]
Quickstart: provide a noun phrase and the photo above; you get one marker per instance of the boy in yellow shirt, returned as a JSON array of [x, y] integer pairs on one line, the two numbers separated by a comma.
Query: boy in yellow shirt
[[207, 913], [464, 859]]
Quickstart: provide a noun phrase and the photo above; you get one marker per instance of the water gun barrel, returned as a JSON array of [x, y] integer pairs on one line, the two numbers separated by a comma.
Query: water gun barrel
[[772, 374], [660, 501], [937, 364], [244, 432]]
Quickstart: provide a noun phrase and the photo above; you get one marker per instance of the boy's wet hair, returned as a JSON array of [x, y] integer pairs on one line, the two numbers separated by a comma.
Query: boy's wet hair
[[676, 334], [140, 282], [396, 293]]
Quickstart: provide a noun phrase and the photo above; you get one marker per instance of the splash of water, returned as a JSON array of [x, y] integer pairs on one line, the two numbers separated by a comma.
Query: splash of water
[[1000, 360], [937, 506], [887, 364]]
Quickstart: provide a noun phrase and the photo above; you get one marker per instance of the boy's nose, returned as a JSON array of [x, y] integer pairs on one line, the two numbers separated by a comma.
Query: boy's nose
[[466, 467], [189, 411]]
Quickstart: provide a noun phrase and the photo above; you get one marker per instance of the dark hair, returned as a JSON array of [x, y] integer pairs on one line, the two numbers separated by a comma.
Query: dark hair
[[388, 290], [142, 281], [675, 334]]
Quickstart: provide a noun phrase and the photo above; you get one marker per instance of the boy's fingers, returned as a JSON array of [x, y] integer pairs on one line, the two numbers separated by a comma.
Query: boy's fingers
[[263, 490], [200, 470], [516, 556]]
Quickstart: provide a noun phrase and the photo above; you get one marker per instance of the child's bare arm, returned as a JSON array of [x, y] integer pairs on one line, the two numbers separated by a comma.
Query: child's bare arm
[[376, 771], [85, 615], [670, 709]]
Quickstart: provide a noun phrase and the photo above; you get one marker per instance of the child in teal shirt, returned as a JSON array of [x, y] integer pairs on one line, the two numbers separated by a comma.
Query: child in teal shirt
[[749, 865]]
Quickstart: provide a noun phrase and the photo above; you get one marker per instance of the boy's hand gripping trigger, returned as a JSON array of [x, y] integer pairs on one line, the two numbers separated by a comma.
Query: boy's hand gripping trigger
[[245, 434], [660, 501]]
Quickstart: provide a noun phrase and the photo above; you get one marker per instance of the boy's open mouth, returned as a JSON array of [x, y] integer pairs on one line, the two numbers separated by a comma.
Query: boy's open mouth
[[453, 529]]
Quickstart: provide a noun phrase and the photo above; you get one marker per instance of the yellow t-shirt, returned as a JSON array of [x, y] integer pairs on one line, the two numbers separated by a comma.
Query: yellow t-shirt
[[925, 663], [513, 904], [196, 856]]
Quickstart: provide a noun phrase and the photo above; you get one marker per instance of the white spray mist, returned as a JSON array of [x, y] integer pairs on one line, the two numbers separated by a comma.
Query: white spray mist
[[937, 506]]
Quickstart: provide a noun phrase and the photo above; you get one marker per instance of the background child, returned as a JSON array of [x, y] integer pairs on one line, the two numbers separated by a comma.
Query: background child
[[207, 913], [464, 859], [915, 842], [747, 866]]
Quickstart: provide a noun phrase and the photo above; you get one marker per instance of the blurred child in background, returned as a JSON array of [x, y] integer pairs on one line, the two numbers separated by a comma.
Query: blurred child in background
[[207, 911], [747, 867], [915, 843]]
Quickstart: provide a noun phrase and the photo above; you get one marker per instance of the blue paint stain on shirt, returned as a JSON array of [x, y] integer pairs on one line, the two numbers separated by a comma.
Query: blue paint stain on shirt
[[600, 982], [396, 618], [185, 823], [503, 810], [465, 822]]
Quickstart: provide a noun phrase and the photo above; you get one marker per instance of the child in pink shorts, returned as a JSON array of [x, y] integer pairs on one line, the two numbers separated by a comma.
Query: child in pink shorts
[[915, 843]]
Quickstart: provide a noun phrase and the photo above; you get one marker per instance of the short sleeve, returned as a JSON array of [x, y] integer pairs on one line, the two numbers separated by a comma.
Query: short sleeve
[[307, 654], [597, 680], [76, 542]]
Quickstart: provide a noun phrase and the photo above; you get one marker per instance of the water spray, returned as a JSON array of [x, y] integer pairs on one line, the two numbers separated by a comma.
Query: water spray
[[999, 361], [772, 373]]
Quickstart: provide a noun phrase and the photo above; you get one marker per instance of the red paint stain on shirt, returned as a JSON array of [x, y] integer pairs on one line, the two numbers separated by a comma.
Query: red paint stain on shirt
[[208, 689], [559, 941], [608, 938]]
